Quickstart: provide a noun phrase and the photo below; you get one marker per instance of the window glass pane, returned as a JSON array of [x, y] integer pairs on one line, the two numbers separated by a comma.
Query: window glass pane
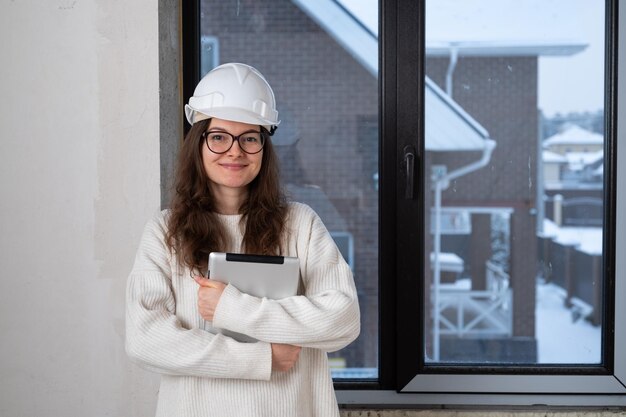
[[514, 96], [321, 61]]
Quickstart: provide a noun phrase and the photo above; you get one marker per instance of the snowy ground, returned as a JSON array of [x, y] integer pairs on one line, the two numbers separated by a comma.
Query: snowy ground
[[561, 338]]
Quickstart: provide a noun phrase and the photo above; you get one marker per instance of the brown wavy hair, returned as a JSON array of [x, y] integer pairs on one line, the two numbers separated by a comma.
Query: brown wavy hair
[[194, 230]]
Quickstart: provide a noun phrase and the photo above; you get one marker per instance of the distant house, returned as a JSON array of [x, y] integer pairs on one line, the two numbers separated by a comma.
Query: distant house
[[573, 161], [573, 170], [584, 167], [574, 139], [553, 164], [592, 121]]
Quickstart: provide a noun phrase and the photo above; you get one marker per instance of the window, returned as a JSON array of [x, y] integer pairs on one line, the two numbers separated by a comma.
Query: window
[[527, 271], [444, 172]]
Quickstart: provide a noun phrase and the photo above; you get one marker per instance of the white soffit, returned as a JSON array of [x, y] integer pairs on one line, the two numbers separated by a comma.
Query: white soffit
[[506, 48]]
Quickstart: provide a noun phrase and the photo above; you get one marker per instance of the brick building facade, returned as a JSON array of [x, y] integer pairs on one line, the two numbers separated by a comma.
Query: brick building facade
[[501, 94]]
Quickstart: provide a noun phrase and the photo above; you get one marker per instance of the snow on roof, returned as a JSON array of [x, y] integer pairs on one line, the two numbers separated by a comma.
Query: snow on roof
[[599, 171], [584, 239], [346, 29], [450, 262], [581, 159], [574, 135], [448, 126], [553, 157]]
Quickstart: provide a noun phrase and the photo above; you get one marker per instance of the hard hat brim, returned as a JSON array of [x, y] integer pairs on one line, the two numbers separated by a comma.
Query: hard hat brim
[[227, 113]]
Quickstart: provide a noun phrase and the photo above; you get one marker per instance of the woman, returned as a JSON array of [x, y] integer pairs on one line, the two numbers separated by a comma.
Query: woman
[[228, 200]]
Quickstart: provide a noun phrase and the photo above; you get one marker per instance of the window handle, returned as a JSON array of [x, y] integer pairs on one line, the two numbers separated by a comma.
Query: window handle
[[409, 161]]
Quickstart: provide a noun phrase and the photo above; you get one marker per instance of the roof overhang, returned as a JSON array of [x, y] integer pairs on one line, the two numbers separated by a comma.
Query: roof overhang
[[506, 48], [449, 128]]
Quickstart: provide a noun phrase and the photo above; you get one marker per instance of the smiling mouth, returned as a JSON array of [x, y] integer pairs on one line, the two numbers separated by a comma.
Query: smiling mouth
[[233, 166]]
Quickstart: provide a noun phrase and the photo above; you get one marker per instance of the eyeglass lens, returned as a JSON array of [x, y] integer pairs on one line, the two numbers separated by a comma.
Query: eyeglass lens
[[220, 142]]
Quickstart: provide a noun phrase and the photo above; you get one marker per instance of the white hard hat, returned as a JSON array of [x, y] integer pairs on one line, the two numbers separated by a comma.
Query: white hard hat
[[235, 92]]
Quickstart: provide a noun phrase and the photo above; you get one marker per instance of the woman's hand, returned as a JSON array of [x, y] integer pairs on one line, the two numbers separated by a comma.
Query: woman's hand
[[284, 357], [209, 295]]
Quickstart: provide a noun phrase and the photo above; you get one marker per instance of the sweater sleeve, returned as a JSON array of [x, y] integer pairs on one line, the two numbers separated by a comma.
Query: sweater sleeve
[[326, 317], [158, 341]]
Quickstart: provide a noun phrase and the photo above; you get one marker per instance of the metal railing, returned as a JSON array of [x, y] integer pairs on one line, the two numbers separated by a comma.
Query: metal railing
[[478, 313]]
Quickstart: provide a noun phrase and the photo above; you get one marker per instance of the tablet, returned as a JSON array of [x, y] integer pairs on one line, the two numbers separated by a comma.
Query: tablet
[[262, 276]]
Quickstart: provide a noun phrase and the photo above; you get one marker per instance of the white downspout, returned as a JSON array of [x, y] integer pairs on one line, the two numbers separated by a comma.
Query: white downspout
[[441, 184], [541, 203], [454, 53]]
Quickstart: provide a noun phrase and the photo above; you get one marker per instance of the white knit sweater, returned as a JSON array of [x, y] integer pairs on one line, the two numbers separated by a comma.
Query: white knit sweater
[[206, 374]]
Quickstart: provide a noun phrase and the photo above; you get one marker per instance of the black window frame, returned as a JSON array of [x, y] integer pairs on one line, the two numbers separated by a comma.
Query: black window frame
[[401, 342]]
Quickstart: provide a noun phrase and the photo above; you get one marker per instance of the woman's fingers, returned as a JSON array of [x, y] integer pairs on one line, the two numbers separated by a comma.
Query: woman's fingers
[[209, 294]]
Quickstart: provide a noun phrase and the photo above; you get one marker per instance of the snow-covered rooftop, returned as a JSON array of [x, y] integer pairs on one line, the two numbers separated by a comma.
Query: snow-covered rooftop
[[553, 157], [347, 29], [584, 239], [448, 126], [574, 135], [578, 160], [599, 170], [448, 261]]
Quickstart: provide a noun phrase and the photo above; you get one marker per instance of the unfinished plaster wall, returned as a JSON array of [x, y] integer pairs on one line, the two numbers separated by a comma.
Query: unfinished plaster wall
[[79, 177]]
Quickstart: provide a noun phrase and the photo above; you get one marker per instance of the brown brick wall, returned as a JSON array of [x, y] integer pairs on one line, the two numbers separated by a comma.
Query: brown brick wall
[[501, 94]]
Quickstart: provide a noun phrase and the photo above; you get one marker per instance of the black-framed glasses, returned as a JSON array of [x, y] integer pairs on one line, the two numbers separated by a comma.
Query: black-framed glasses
[[220, 142]]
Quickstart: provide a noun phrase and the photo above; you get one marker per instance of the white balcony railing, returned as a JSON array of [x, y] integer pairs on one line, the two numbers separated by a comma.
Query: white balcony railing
[[478, 313]]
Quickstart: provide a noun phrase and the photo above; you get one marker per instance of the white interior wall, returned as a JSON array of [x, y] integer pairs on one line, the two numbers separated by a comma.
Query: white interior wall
[[79, 177]]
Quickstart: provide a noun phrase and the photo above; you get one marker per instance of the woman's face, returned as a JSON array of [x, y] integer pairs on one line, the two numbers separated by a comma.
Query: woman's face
[[234, 169]]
